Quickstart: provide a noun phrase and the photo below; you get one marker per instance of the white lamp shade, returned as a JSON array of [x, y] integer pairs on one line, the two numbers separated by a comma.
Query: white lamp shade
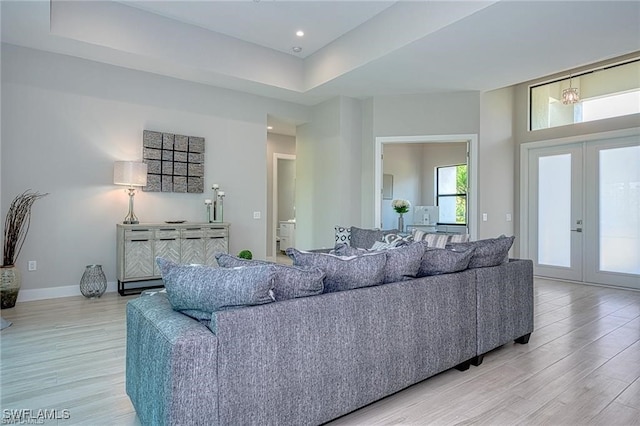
[[130, 173]]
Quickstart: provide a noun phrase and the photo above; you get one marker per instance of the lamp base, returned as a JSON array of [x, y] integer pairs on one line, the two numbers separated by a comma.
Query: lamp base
[[130, 222]]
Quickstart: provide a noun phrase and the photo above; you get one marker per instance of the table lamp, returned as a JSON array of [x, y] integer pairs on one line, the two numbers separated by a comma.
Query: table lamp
[[131, 174]]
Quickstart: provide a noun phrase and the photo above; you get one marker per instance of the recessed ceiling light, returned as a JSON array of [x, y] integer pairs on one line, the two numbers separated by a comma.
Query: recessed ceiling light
[[297, 49], [269, 127], [300, 33]]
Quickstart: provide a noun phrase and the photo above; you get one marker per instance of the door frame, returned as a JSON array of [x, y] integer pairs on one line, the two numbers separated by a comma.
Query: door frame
[[472, 172], [525, 152]]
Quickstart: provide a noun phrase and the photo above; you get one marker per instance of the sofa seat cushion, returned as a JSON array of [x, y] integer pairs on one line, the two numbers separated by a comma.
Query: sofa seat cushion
[[208, 289], [343, 273], [488, 252], [437, 261], [290, 282]]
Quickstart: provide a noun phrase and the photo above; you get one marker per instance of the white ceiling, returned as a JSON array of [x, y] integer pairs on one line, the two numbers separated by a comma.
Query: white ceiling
[[353, 48]]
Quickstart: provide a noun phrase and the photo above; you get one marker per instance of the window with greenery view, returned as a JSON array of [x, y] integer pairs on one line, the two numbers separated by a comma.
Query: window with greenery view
[[452, 194]]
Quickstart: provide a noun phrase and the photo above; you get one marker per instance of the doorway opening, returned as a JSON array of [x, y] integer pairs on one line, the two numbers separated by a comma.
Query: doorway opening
[[452, 148]]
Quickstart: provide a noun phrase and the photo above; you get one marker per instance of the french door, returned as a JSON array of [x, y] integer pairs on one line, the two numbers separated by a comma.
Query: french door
[[584, 211]]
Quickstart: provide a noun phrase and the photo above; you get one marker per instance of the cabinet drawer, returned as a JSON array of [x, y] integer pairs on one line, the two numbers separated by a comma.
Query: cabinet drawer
[[167, 234], [192, 233], [216, 232], [138, 234]]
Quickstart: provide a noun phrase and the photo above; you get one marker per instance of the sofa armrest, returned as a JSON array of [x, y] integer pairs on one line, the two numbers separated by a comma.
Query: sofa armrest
[[505, 303], [171, 364]]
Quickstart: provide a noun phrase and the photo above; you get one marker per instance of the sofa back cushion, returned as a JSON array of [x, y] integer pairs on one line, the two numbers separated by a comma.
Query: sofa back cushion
[[437, 261], [488, 252], [403, 262], [290, 281], [208, 289], [343, 273]]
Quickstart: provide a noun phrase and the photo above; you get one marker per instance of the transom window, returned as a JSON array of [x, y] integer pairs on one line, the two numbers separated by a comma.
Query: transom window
[[451, 188], [607, 92]]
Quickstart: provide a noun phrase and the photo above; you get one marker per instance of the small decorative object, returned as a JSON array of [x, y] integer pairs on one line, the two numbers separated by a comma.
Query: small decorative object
[[132, 174], [218, 201], [93, 283], [10, 283], [16, 227], [208, 203], [401, 207], [245, 254]]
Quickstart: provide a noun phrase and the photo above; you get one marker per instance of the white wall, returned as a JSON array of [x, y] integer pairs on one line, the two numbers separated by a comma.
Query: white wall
[[328, 172], [66, 120], [497, 164]]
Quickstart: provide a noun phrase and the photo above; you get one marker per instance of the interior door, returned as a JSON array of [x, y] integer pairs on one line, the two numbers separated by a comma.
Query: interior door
[[612, 207], [556, 211]]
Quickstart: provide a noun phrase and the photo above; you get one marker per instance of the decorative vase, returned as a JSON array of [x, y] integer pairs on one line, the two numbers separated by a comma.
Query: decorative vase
[[10, 283], [93, 283], [401, 223]]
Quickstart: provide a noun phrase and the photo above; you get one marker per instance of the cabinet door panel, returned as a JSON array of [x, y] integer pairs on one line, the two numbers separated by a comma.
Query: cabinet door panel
[[193, 251], [138, 259], [167, 249], [213, 246]]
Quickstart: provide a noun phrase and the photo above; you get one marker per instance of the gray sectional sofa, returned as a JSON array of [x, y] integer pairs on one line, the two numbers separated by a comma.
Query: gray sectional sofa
[[308, 360]]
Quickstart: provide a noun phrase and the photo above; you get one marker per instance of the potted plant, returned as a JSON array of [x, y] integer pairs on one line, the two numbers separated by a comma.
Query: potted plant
[[401, 207], [245, 254], [16, 227]]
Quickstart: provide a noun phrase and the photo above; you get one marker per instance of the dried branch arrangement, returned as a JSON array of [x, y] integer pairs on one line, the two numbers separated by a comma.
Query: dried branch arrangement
[[16, 225]]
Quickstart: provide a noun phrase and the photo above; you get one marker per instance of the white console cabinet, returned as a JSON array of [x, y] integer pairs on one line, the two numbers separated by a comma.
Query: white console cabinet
[[140, 244], [287, 235]]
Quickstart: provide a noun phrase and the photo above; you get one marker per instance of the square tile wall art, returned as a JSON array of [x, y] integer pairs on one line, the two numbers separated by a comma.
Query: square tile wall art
[[175, 163]]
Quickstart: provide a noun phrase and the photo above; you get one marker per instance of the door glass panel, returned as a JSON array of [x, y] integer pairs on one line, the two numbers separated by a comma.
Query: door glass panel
[[619, 208], [554, 210]]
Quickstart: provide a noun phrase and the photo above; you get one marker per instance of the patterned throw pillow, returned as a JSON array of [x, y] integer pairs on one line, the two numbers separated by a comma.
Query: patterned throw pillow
[[489, 252], [437, 261], [290, 282], [344, 273], [343, 235], [208, 289], [432, 240]]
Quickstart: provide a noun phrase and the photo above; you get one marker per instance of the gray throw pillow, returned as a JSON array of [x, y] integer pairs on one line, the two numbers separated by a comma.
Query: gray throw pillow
[[364, 238], [403, 262], [489, 252], [208, 289], [290, 282], [437, 261], [344, 273]]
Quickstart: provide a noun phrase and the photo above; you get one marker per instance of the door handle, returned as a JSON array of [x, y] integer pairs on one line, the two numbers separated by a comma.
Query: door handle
[[577, 230]]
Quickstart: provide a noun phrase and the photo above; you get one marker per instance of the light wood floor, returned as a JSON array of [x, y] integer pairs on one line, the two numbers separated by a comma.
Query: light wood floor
[[581, 366]]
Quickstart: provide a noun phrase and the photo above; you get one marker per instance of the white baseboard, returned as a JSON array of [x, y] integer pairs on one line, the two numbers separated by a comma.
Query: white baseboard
[[27, 295]]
